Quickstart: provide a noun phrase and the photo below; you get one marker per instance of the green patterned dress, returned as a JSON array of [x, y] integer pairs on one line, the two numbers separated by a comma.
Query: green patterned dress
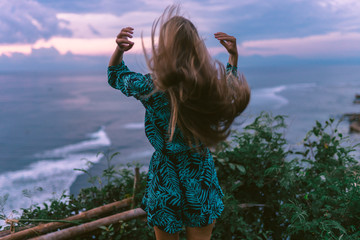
[[182, 185]]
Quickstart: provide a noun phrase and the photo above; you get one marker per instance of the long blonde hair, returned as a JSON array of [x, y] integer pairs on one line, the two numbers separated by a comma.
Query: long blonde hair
[[204, 99]]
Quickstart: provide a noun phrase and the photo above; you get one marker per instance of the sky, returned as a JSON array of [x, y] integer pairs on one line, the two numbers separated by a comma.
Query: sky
[[70, 34]]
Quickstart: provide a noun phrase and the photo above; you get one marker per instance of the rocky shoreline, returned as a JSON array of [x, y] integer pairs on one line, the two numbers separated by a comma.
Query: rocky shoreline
[[354, 118]]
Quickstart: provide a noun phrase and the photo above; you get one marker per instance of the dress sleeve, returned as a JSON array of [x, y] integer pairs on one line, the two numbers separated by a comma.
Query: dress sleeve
[[128, 82], [231, 69]]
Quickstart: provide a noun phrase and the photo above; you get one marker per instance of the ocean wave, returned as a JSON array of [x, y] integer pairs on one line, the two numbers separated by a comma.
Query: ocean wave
[[270, 96], [52, 176], [53, 172], [97, 139]]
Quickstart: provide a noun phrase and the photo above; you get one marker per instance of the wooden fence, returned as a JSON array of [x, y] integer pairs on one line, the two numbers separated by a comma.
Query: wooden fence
[[47, 231]]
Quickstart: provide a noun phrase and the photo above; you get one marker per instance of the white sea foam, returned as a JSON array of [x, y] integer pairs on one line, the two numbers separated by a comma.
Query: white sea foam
[[134, 125], [53, 172], [301, 86], [52, 176], [270, 96], [97, 139]]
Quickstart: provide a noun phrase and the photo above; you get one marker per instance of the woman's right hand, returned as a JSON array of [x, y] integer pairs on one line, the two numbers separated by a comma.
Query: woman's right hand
[[122, 39], [229, 42]]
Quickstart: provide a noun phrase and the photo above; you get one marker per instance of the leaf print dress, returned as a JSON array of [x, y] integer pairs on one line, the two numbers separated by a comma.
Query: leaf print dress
[[182, 186]]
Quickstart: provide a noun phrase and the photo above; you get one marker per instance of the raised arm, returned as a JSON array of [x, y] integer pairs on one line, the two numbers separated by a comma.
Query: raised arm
[[123, 45], [128, 82], [120, 77]]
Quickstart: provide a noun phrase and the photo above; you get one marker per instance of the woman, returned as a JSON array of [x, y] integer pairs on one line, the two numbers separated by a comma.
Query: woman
[[190, 105]]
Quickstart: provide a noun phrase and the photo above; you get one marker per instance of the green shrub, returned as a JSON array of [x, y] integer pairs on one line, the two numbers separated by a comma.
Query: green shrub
[[313, 193], [252, 170], [326, 203]]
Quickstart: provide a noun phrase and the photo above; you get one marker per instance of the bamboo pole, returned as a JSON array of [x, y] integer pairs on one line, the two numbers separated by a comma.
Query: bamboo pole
[[70, 233], [136, 183], [8, 232], [49, 227]]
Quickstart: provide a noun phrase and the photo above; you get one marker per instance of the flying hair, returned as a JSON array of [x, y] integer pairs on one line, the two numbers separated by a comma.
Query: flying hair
[[204, 98]]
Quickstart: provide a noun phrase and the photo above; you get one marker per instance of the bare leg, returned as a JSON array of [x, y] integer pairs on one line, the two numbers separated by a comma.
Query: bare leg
[[162, 235], [200, 233]]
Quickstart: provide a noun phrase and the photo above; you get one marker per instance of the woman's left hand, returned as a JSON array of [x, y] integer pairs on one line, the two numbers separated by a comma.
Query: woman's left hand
[[229, 42]]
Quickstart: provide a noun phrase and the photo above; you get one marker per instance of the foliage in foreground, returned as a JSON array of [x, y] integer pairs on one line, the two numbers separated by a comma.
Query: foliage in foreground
[[311, 193], [271, 190]]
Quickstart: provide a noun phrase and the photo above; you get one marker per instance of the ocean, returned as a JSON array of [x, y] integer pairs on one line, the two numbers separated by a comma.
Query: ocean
[[52, 123]]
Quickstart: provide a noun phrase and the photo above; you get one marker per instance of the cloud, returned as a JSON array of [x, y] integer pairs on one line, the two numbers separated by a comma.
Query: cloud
[[331, 45], [108, 19], [78, 46], [298, 28], [49, 59], [106, 24], [335, 44], [79, 6], [346, 12], [26, 21], [246, 19]]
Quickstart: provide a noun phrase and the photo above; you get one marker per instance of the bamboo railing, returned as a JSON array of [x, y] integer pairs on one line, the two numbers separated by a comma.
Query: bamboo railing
[[69, 232]]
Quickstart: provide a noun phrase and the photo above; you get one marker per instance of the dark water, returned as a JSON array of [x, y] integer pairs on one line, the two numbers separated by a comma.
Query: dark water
[[53, 123]]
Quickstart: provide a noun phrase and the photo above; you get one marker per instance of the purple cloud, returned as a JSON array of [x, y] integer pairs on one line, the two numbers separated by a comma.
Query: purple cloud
[[27, 21]]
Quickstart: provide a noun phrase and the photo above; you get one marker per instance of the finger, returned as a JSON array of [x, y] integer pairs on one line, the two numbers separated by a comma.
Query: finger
[[129, 32], [220, 34], [122, 40], [227, 38], [125, 34], [128, 47], [126, 30], [125, 40], [217, 33], [230, 41], [224, 44], [124, 43], [124, 47]]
